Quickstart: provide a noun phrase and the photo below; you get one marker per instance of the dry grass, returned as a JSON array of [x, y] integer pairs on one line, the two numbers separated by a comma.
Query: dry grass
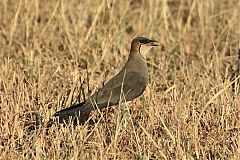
[[190, 110]]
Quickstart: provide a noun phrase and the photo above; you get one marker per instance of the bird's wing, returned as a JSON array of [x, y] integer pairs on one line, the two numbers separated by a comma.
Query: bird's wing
[[130, 88], [111, 94], [86, 107]]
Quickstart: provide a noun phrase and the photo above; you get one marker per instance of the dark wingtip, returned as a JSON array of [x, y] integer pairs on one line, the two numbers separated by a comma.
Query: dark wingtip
[[69, 115], [59, 113]]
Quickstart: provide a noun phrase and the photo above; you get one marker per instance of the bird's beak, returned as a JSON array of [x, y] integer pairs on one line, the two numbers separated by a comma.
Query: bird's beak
[[154, 43]]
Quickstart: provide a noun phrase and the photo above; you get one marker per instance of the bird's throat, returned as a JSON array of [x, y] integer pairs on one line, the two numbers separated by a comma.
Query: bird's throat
[[143, 50]]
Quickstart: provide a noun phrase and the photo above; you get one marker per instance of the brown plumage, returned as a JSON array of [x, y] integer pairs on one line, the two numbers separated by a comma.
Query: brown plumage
[[129, 84]]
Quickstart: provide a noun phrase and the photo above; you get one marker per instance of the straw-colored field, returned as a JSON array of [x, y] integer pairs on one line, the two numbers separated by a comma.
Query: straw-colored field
[[51, 51]]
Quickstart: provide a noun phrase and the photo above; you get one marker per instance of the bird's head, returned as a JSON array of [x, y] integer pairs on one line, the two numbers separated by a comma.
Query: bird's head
[[143, 45]]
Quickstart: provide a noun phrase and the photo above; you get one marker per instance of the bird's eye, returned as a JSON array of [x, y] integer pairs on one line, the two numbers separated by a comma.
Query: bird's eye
[[144, 41]]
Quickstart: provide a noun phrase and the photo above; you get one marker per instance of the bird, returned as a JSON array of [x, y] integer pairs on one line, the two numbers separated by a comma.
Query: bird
[[129, 83]]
